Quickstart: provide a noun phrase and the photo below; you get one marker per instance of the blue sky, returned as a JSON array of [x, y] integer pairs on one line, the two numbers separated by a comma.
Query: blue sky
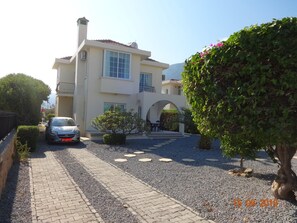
[[34, 32]]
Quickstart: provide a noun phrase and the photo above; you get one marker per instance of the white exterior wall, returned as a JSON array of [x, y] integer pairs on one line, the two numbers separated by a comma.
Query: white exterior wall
[[104, 89], [172, 88], [79, 92], [64, 106], [66, 73], [92, 89]]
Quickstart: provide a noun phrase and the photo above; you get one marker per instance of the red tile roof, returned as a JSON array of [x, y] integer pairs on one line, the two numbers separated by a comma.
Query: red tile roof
[[149, 59], [109, 41]]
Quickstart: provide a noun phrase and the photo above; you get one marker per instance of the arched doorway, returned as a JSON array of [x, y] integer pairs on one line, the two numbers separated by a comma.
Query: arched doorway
[[154, 112]]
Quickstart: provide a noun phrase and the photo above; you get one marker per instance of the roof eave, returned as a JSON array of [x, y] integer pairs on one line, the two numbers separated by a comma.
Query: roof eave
[[59, 61], [155, 64], [94, 43]]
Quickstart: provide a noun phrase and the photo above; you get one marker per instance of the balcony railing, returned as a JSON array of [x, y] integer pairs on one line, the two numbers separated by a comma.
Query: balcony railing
[[146, 88], [65, 88]]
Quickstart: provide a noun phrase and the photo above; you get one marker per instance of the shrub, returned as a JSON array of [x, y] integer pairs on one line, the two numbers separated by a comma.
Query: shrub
[[23, 150], [119, 122], [244, 90], [28, 134], [49, 116], [114, 139], [169, 120]]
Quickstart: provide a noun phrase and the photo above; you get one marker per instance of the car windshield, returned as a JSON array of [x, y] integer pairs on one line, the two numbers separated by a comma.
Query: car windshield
[[63, 122]]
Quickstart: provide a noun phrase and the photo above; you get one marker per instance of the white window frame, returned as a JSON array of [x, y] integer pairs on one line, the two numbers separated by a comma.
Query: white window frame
[[146, 76], [115, 105], [118, 52]]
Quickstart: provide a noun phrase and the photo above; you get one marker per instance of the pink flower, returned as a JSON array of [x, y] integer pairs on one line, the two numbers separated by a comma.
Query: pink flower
[[206, 50], [202, 54], [220, 44]]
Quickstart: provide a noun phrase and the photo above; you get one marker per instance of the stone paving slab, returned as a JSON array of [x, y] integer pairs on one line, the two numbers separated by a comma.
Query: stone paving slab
[[147, 203], [55, 197]]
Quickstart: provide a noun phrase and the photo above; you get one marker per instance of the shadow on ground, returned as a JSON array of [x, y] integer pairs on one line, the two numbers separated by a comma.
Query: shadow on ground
[[42, 147], [9, 193], [181, 150]]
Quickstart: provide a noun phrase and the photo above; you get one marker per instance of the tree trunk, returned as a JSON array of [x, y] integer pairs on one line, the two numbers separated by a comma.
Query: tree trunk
[[286, 181], [241, 163]]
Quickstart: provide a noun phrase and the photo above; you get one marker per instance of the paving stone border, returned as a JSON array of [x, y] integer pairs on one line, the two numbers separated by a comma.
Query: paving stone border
[[120, 160], [144, 160], [55, 197], [147, 203], [166, 160], [142, 151]]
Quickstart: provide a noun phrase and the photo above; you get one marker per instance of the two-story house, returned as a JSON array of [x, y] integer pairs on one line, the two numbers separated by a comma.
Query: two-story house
[[104, 74]]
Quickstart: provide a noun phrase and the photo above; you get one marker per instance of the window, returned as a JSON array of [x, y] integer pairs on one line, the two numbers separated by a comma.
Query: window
[[145, 82], [109, 106], [179, 90], [117, 65]]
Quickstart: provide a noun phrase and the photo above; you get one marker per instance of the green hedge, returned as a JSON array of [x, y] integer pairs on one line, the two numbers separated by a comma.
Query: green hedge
[[28, 134], [169, 120], [114, 139]]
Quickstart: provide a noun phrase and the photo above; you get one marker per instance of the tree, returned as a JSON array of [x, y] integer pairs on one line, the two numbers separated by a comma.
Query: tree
[[244, 92], [119, 122], [187, 119], [24, 95]]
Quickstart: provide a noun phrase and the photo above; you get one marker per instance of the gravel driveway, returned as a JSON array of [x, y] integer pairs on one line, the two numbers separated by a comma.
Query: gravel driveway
[[202, 184], [205, 184]]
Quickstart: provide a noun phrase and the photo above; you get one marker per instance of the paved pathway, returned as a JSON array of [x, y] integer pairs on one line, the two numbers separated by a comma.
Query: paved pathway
[[148, 204], [55, 197]]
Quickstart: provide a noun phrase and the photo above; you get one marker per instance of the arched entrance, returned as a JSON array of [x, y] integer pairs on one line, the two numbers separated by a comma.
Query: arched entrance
[[153, 114]]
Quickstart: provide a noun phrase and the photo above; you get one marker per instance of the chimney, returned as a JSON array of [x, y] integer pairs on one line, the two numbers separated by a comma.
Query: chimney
[[82, 24]]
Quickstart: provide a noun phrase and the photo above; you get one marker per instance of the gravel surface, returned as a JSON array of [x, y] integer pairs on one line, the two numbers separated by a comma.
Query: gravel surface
[[108, 207], [205, 184], [15, 201]]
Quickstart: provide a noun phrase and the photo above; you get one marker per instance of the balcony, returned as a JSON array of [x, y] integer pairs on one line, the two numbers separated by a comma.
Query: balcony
[[64, 88], [146, 88]]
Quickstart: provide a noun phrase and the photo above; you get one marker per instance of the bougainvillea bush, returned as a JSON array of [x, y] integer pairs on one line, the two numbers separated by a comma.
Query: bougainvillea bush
[[244, 92]]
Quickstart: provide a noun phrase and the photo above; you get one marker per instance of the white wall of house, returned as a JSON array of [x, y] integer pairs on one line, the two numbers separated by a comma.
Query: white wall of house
[[64, 106], [68, 73], [92, 89]]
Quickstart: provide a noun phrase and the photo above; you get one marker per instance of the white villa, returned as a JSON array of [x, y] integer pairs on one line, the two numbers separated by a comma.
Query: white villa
[[104, 74]]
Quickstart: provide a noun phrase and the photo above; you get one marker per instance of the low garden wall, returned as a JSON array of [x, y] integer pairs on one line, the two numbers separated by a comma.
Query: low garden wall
[[7, 154]]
